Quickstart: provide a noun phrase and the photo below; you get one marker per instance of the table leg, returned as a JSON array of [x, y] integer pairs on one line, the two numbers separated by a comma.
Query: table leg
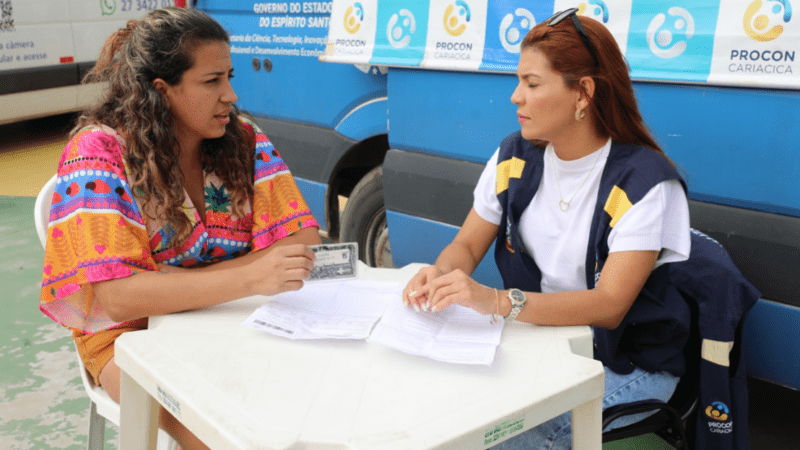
[[587, 421], [138, 418]]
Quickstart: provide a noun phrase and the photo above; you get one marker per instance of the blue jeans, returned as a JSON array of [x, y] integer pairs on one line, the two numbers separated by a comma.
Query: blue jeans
[[638, 385]]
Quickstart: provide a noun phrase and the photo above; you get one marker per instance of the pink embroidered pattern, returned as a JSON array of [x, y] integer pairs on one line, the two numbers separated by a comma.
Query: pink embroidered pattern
[[97, 231]]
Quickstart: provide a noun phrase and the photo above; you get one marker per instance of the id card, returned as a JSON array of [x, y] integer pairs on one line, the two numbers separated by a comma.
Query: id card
[[334, 262]]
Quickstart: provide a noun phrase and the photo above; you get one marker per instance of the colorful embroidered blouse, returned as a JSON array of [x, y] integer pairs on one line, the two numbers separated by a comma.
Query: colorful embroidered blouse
[[98, 231]]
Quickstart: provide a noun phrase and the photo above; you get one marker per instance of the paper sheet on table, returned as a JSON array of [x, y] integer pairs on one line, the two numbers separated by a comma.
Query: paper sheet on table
[[334, 310], [456, 334]]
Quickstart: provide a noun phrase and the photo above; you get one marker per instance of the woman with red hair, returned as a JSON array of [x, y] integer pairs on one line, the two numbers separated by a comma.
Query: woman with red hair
[[586, 212]]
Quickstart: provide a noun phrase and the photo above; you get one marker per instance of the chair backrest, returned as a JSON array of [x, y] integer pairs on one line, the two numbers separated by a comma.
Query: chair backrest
[[106, 407], [41, 210]]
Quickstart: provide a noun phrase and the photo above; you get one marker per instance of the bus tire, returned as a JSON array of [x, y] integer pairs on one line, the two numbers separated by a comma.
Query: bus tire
[[364, 221]]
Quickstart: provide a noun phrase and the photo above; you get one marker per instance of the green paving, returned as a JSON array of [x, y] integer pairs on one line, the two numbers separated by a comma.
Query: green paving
[[42, 402]]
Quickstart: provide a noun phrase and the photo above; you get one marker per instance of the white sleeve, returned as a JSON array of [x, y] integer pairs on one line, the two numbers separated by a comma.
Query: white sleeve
[[486, 204], [659, 221]]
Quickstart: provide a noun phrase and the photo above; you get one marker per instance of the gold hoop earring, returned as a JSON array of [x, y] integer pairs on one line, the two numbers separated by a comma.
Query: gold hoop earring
[[579, 115]]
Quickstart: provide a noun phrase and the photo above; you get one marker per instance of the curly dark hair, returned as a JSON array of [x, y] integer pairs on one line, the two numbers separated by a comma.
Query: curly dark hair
[[161, 45]]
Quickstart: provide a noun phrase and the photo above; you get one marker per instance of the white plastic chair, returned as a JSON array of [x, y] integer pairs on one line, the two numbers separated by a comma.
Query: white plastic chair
[[101, 406]]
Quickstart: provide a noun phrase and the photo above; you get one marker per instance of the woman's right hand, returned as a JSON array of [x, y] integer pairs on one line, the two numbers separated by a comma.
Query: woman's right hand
[[416, 292], [280, 270]]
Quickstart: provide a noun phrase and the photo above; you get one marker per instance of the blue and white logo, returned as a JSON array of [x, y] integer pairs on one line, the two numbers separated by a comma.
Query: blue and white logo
[[663, 34], [507, 24], [405, 35], [669, 42], [514, 27], [400, 28]]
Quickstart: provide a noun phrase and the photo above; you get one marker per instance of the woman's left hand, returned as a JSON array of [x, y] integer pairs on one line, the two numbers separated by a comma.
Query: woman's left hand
[[457, 288]]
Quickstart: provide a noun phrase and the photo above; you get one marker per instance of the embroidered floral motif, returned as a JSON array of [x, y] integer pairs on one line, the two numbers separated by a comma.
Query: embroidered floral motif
[[217, 199], [108, 271], [67, 289]]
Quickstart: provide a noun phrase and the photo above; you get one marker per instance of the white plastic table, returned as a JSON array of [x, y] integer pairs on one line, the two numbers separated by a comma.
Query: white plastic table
[[240, 388]]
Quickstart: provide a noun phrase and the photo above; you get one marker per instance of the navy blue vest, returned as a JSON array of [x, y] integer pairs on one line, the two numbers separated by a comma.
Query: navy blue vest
[[653, 333]]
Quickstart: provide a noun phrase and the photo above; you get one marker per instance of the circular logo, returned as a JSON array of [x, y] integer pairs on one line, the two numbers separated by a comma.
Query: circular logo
[[596, 9], [400, 28], [107, 6], [763, 20], [353, 18], [718, 411], [514, 27], [456, 16], [660, 37]]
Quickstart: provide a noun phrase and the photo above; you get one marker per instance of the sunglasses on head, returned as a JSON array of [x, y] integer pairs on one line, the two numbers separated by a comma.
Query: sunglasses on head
[[572, 13]]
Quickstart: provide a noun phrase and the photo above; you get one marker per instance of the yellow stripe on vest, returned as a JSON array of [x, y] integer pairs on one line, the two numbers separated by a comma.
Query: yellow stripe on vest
[[717, 352], [617, 204], [510, 168]]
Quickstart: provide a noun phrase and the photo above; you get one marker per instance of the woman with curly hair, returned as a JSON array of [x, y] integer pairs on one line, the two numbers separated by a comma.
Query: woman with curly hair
[[167, 198]]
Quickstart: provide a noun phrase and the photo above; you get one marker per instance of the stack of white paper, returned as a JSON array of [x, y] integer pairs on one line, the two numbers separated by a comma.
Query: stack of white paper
[[456, 334], [336, 310], [350, 310]]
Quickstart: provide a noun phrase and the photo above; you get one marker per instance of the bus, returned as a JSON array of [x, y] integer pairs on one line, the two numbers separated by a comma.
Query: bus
[[397, 106], [47, 46]]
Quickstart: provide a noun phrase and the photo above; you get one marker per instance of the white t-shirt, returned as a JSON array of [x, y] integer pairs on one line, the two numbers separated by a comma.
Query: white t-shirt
[[557, 240]]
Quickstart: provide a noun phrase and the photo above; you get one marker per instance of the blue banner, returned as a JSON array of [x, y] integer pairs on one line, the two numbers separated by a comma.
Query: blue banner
[[401, 34], [727, 42], [672, 42], [507, 23]]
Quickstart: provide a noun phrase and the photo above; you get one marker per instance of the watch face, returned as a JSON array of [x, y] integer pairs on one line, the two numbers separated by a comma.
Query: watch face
[[517, 297]]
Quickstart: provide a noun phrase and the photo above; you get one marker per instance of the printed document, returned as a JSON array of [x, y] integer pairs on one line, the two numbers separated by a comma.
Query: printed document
[[456, 334], [334, 310], [351, 309]]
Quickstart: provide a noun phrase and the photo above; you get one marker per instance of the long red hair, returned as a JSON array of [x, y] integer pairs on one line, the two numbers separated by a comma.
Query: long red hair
[[614, 103]]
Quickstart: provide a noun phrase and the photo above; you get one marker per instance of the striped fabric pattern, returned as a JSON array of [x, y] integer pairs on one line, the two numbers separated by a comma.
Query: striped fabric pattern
[[98, 230]]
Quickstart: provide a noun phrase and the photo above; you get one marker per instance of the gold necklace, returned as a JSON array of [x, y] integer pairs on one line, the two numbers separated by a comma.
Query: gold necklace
[[564, 204]]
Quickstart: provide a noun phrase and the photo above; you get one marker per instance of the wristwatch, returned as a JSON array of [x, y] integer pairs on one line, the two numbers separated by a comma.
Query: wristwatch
[[518, 299]]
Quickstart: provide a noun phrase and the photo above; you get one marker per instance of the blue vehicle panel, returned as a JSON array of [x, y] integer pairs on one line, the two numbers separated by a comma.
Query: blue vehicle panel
[[461, 115], [431, 238], [755, 124], [314, 194], [440, 94], [771, 347], [367, 119], [277, 71], [741, 152]]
